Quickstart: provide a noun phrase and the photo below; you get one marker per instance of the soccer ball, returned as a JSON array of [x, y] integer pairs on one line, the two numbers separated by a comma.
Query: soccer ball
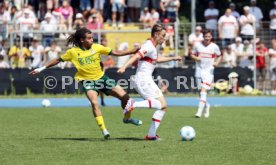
[[46, 103], [187, 133]]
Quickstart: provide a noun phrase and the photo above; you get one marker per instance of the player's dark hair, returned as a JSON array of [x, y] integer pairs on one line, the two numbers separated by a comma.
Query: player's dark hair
[[74, 38], [157, 28], [206, 31]]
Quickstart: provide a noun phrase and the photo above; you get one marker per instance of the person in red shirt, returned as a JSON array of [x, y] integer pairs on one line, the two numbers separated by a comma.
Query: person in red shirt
[[261, 53]]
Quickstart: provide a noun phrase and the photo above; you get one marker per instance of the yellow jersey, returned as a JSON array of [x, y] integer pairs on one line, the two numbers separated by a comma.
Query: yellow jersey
[[87, 62]]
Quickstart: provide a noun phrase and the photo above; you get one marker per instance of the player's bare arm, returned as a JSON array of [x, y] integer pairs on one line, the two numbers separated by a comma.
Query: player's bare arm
[[124, 53], [129, 62], [167, 59], [194, 57]]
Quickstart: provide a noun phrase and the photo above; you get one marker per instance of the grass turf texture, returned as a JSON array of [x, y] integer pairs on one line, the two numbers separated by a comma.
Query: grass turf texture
[[232, 135]]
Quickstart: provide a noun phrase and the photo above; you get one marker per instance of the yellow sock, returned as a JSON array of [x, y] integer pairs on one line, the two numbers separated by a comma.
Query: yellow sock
[[100, 122], [127, 116]]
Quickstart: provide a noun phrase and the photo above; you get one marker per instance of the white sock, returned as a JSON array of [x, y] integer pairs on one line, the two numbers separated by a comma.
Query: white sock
[[202, 102], [156, 119], [150, 103]]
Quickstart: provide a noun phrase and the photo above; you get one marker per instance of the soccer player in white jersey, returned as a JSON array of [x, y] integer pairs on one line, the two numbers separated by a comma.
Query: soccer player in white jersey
[[147, 58], [207, 56]]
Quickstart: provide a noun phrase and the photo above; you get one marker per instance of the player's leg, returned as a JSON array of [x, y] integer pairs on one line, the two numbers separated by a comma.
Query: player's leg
[[93, 98], [121, 94], [149, 91], [156, 119]]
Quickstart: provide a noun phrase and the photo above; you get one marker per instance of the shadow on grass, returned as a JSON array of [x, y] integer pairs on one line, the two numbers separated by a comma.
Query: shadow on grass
[[97, 139]]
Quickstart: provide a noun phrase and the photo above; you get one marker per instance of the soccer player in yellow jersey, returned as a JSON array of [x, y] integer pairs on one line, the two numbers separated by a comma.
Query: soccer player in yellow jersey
[[85, 55]]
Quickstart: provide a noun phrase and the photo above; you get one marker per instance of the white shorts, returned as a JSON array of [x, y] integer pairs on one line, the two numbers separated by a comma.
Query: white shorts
[[134, 3], [205, 81], [146, 87]]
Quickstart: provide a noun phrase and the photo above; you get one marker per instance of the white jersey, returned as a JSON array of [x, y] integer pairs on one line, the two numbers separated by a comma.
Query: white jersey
[[207, 56], [272, 53], [147, 63], [229, 25]]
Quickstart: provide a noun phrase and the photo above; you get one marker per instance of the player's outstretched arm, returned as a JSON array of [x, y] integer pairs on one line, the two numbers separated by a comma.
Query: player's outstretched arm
[[129, 62], [48, 65], [167, 59], [124, 53]]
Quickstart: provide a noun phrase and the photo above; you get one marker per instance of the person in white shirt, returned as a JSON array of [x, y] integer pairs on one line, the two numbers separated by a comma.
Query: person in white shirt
[[48, 29], [207, 56], [272, 15], [272, 67], [37, 52], [229, 58], [170, 8], [26, 24], [52, 52], [122, 59], [237, 47], [211, 16], [145, 18], [4, 20], [247, 21], [154, 17], [3, 63], [245, 59], [228, 28], [144, 84], [234, 13], [257, 12], [196, 37]]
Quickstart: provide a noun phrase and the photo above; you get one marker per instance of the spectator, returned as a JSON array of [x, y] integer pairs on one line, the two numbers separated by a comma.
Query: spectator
[[228, 28], [154, 17], [134, 7], [197, 36], [272, 67], [94, 23], [237, 47], [118, 6], [261, 53], [154, 4], [272, 15], [67, 14], [170, 33], [79, 21], [13, 14], [257, 12], [234, 13], [4, 20], [229, 58], [211, 16], [85, 5], [109, 63], [247, 21], [27, 24], [3, 63], [146, 18], [99, 5], [18, 56], [122, 59], [51, 52], [37, 52], [48, 29], [170, 8], [245, 59]]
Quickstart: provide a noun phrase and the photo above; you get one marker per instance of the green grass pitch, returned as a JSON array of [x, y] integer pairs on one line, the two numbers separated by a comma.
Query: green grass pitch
[[231, 136]]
